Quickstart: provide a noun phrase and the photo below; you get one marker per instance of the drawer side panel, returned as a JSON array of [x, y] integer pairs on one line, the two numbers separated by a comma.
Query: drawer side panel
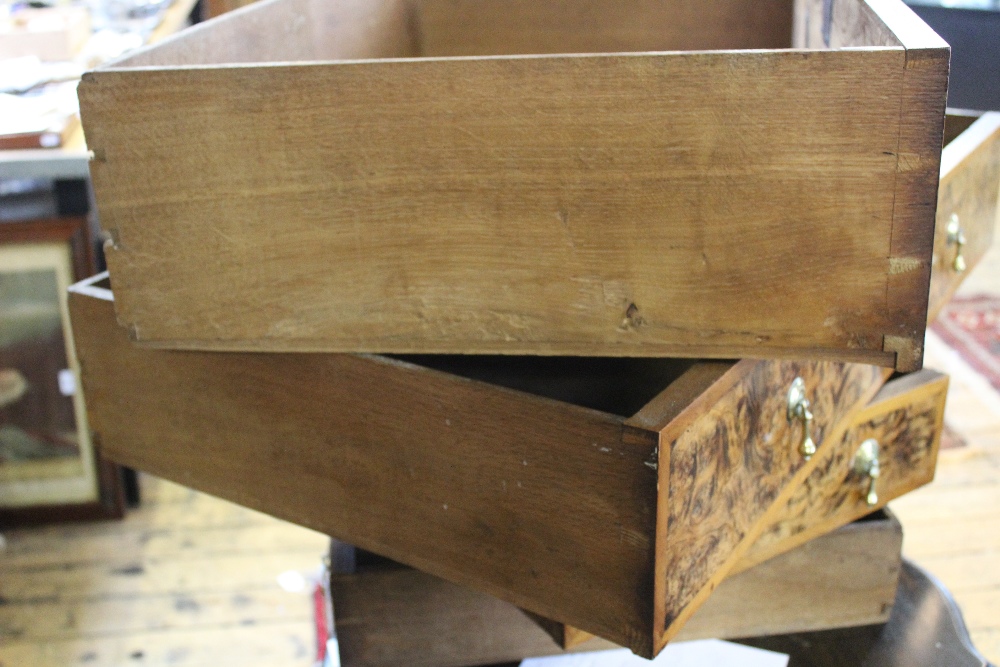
[[691, 204], [546, 505]]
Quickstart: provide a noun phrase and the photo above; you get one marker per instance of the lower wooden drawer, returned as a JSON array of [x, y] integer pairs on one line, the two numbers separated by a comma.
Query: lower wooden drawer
[[611, 495], [387, 615], [900, 428]]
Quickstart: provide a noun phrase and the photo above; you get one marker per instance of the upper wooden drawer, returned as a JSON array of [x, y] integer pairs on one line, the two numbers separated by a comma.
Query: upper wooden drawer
[[608, 494], [416, 176]]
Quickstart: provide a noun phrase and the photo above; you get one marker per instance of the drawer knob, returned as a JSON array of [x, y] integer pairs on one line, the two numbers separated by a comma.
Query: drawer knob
[[866, 464], [798, 410], [956, 237]]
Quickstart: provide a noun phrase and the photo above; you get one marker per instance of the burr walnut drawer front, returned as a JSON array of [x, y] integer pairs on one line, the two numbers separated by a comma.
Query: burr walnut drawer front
[[609, 494], [883, 452], [676, 178]]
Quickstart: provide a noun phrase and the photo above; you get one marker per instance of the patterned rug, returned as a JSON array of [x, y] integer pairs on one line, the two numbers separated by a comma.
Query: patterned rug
[[971, 326]]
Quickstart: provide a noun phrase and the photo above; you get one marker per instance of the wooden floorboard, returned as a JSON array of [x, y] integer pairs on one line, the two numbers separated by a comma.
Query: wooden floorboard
[[186, 580]]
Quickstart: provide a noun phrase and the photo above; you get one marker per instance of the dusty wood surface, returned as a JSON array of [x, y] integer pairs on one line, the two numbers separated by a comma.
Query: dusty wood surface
[[906, 419], [828, 25], [594, 205], [970, 189], [288, 31], [401, 616]]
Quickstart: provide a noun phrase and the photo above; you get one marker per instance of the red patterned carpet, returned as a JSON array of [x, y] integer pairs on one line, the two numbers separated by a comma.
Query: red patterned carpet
[[971, 326]]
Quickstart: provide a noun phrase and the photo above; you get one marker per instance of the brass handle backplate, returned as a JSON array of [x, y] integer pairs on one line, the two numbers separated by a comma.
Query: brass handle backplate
[[956, 237], [866, 464], [798, 410]]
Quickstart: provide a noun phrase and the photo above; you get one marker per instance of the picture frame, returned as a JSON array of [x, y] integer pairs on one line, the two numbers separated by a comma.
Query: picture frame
[[50, 466]]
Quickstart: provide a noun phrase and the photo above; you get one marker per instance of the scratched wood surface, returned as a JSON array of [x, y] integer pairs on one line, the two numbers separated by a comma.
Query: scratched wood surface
[[906, 419], [601, 204], [391, 616]]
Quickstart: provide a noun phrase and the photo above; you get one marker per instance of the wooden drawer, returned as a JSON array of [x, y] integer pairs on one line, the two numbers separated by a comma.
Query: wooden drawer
[[389, 616], [609, 494], [438, 176], [904, 421], [968, 204]]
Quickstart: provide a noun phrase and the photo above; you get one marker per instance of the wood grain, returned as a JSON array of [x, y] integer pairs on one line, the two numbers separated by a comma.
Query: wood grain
[[725, 464], [287, 31], [487, 27], [906, 418], [400, 616], [925, 90], [384, 451], [401, 460], [560, 205], [887, 23], [970, 188]]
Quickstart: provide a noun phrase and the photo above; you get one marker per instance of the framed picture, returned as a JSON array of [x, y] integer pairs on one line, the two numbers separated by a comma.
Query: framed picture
[[49, 466]]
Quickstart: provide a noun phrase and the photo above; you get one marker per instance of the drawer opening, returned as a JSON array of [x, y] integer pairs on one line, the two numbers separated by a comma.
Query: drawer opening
[[619, 386], [320, 30]]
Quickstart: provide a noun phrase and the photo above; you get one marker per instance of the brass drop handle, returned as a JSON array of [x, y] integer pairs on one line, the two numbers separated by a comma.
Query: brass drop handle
[[798, 410], [866, 464], [956, 237]]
